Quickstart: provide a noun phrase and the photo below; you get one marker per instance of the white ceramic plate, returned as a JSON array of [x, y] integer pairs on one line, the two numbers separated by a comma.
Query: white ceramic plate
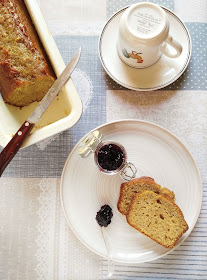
[[63, 112], [161, 74], [156, 153]]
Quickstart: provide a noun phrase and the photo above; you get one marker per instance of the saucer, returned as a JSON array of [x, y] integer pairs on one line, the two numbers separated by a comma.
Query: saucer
[[157, 76]]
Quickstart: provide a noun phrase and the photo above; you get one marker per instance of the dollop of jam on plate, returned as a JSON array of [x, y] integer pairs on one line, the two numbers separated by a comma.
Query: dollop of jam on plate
[[110, 157], [104, 216]]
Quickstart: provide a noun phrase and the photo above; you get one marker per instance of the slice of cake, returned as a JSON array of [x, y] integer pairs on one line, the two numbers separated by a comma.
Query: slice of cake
[[157, 217], [138, 185]]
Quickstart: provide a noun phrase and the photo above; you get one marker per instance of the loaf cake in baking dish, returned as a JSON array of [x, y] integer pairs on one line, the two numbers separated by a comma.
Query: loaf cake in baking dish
[[25, 71]]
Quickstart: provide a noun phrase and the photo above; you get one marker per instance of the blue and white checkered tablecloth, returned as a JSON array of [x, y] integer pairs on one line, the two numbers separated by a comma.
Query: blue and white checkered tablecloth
[[35, 240]]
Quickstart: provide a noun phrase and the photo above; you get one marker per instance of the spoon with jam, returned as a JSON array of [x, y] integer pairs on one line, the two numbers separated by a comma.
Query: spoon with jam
[[103, 218]]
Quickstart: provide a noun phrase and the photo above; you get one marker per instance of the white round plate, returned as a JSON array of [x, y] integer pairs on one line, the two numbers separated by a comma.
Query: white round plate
[[159, 75], [156, 153]]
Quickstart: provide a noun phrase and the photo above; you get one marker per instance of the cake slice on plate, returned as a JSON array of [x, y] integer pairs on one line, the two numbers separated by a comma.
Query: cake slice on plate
[[158, 217], [138, 185]]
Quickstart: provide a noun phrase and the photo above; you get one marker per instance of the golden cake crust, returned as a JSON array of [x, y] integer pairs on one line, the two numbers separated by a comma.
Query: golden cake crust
[[25, 71], [171, 212], [137, 185]]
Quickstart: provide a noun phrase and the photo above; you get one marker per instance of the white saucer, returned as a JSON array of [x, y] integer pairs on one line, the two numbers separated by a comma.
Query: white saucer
[[84, 189], [161, 74]]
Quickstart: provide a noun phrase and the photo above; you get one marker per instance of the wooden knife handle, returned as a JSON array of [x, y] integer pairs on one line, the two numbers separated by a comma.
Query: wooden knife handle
[[14, 145]]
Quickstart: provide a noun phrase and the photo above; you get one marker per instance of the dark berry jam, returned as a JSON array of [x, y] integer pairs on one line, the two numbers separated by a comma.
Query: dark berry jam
[[110, 157], [104, 215]]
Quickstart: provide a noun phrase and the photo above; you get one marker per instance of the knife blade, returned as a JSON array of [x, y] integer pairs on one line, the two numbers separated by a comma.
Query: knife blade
[[18, 139]]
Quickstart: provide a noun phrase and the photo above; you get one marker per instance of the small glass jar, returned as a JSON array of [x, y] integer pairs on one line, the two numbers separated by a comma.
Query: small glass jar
[[109, 156]]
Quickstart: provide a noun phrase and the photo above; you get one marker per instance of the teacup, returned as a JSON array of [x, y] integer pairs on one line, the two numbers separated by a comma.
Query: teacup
[[144, 36]]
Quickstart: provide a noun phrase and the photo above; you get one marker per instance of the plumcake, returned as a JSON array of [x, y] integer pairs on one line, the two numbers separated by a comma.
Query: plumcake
[[157, 217], [25, 72], [138, 185]]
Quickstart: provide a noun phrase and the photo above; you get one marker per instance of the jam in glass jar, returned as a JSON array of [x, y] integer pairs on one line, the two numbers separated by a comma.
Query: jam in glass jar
[[109, 156]]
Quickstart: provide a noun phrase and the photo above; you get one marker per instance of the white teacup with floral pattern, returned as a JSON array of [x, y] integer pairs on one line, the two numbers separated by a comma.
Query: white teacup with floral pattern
[[144, 36]]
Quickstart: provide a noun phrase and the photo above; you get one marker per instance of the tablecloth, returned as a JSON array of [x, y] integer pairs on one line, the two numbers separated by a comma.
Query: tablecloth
[[35, 240]]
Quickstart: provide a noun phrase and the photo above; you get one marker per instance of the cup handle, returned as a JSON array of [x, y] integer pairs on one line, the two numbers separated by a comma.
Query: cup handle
[[174, 44]]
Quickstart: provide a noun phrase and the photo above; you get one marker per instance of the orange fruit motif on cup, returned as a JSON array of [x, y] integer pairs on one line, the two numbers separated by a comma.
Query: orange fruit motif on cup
[[137, 56], [133, 55]]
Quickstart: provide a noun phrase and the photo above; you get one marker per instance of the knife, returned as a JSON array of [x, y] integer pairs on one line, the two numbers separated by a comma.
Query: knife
[[17, 140]]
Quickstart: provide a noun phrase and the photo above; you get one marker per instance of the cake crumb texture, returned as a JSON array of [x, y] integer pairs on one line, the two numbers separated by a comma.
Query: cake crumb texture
[[138, 185], [157, 217], [25, 72]]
